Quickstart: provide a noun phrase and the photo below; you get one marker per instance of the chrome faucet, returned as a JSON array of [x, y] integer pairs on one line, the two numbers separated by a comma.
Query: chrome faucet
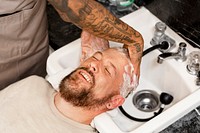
[[180, 55], [160, 36]]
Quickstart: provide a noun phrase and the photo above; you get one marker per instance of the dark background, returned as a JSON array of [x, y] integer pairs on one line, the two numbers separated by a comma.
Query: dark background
[[183, 16]]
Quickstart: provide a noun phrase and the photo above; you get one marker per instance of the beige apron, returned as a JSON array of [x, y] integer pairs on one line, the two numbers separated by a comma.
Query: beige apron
[[23, 39]]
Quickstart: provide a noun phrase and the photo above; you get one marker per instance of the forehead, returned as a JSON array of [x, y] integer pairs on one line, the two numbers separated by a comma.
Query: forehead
[[115, 56], [111, 53]]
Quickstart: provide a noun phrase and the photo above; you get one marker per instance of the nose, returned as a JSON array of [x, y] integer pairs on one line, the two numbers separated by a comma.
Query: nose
[[94, 66]]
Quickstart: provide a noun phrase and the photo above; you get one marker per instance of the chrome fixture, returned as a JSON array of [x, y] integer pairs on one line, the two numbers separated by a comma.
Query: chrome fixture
[[146, 100], [160, 36], [197, 111], [193, 63], [180, 55], [150, 102]]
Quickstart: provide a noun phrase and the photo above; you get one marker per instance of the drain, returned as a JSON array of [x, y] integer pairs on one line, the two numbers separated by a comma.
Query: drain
[[146, 100]]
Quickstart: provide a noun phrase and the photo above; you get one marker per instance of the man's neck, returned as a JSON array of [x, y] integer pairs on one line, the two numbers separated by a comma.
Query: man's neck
[[78, 114]]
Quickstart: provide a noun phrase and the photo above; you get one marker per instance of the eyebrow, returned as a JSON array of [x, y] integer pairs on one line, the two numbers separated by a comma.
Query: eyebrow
[[99, 52]]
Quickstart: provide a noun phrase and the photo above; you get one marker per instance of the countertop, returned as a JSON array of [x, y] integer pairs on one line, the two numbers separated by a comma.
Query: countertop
[[62, 33], [190, 123]]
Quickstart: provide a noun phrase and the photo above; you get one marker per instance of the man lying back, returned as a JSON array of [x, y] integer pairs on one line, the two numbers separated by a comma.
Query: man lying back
[[99, 84]]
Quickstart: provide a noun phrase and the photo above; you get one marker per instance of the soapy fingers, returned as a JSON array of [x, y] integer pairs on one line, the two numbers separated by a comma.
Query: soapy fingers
[[91, 44]]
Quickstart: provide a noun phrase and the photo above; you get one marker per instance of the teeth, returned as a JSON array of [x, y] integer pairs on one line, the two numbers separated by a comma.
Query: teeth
[[86, 77]]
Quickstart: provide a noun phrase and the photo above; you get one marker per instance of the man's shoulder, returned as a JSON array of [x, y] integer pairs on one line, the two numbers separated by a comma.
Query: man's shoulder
[[35, 81], [30, 82], [34, 78], [27, 87]]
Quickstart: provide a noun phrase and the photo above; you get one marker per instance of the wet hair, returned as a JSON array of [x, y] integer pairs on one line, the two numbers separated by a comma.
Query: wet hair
[[130, 83]]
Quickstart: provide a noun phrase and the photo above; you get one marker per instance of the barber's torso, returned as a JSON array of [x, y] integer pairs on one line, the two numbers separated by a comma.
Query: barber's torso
[[23, 39]]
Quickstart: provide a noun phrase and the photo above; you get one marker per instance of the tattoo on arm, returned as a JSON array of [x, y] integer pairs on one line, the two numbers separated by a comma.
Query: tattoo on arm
[[94, 18]]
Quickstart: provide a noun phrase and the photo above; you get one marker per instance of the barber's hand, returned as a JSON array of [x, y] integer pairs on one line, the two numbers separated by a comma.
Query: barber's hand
[[91, 44], [135, 56]]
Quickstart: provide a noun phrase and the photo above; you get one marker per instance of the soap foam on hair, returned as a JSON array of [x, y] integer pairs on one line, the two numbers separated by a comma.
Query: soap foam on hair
[[130, 80]]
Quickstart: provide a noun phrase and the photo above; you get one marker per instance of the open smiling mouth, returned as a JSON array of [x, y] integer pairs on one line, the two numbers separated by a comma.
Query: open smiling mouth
[[87, 76]]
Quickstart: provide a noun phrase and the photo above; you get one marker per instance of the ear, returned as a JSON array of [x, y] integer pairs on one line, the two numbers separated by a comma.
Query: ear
[[115, 102]]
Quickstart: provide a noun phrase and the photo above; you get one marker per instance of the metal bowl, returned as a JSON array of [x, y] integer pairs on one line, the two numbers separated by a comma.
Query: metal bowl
[[146, 100]]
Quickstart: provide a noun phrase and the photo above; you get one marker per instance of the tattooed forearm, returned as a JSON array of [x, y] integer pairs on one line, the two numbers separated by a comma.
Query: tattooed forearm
[[94, 18], [138, 48]]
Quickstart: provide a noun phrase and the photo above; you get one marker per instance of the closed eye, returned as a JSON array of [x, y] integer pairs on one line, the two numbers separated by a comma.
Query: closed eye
[[107, 70], [94, 57], [110, 70]]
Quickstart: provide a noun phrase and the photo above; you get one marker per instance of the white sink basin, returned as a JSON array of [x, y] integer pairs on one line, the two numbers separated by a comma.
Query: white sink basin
[[170, 76]]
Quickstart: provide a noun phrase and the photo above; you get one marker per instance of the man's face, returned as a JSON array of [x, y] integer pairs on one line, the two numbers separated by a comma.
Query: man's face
[[96, 80]]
